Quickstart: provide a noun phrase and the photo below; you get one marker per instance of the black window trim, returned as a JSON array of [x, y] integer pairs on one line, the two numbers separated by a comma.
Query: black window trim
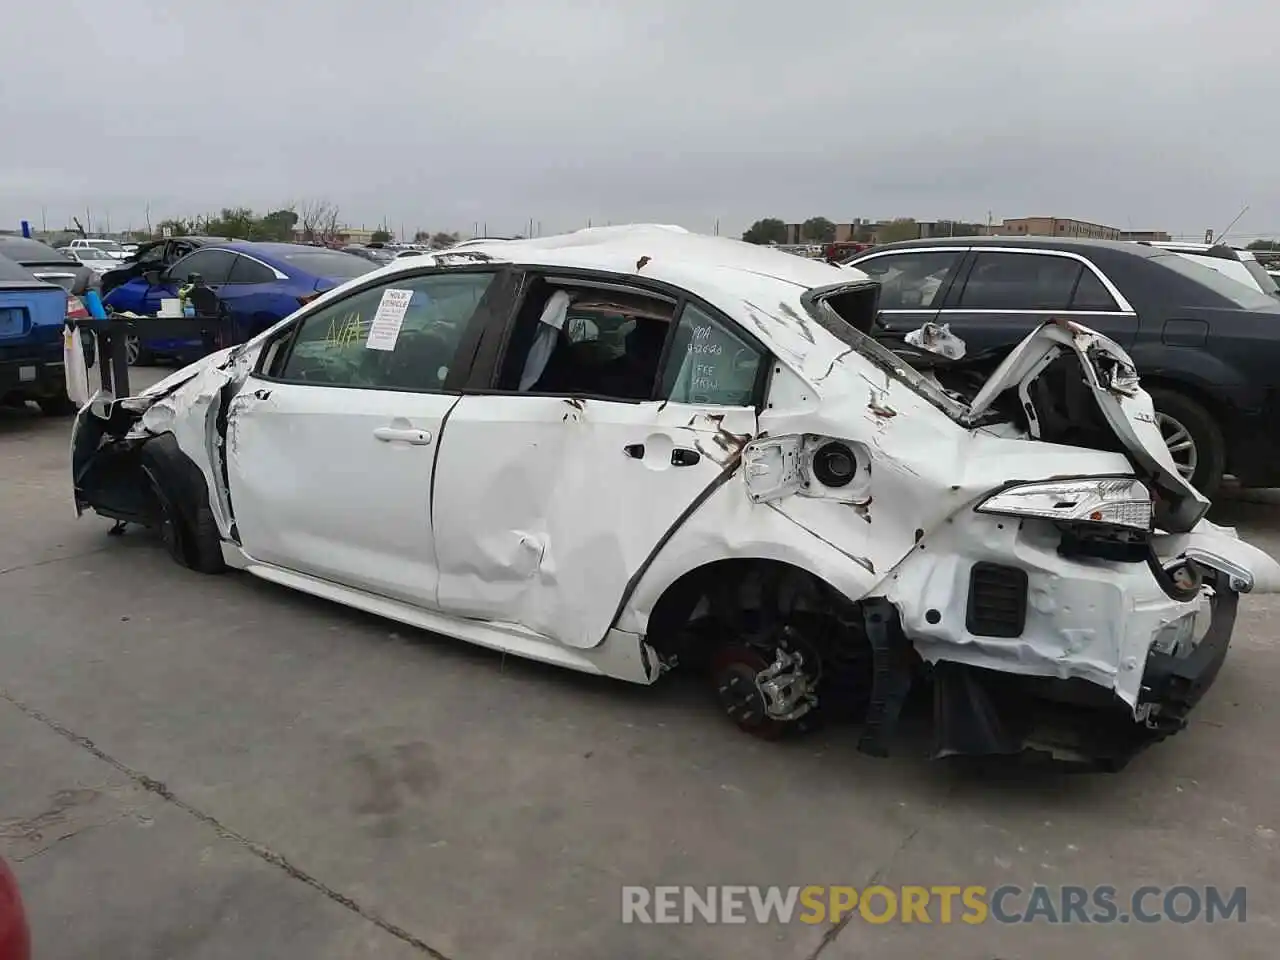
[[487, 369], [458, 372]]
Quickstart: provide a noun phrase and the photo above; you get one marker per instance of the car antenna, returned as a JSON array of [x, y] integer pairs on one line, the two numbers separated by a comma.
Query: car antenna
[[1222, 235]]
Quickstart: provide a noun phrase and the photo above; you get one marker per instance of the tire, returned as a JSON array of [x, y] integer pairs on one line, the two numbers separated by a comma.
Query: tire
[[135, 353], [1185, 421], [60, 406], [190, 535]]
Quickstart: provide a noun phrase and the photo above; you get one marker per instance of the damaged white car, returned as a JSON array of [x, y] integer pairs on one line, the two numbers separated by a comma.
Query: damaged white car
[[626, 449]]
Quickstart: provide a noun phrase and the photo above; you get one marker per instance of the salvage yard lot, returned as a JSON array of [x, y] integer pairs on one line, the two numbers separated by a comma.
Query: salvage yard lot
[[215, 767]]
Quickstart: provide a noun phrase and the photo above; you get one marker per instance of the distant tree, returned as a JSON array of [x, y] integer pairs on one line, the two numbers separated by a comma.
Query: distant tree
[[177, 227], [768, 230], [901, 228], [1264, 245], [235, 223], [442, 239], [277, 225], [422, 236], [380, 236], [818, 230], [319, 221]]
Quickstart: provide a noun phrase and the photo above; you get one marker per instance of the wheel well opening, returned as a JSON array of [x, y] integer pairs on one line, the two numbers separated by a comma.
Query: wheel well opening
[[741, 600]]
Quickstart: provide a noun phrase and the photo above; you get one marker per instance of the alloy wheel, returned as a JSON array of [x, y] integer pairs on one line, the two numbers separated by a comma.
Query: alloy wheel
[[1182, 446]]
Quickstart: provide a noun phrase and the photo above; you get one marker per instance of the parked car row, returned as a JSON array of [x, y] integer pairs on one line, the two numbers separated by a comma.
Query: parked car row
[[631, 450], [1207, 346], [257, 284]]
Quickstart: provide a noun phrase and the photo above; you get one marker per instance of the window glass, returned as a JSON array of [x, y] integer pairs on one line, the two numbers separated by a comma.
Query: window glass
[[212, 265], [710, 363], [588, 343], [250, 271], [1214, 286], [402, 335], [1020, 281], [1091, 294], [911, 281]]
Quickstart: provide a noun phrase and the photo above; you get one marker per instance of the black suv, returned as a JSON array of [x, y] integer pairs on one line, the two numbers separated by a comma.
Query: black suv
[[1206, 346]]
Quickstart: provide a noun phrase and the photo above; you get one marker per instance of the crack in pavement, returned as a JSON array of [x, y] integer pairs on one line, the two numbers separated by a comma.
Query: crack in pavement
[[259, 850], [45, 563], [877, 875], [67, 836]]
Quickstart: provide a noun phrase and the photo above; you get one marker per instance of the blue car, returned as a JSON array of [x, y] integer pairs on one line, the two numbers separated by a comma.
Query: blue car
[[257, 283], [32, 313]]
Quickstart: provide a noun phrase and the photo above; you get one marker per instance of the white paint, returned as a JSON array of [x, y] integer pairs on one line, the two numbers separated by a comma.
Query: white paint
[[541, 524], [384, 331], [542, 518], [335, 483]]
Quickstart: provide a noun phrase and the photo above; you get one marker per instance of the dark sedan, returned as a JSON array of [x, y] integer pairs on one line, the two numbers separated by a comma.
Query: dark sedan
[[1206, 346], [154, 255], [49, 264]]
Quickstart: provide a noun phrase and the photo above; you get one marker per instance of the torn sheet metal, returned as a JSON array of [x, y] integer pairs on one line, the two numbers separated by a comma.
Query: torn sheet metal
[[190, 413], [547, 508], [937, 338]]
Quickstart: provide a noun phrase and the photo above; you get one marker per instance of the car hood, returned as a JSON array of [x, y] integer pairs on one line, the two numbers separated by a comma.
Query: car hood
[[1112, 379]]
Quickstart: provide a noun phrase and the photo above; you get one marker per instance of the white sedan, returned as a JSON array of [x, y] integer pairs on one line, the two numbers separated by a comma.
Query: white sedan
[[96, 259], [630, 449]]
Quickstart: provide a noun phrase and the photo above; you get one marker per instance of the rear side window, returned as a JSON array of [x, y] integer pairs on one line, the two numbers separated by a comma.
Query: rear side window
[[245, 270], [1091, 294], [911, 280], [1020, 281], [213, 266], [708, 363]]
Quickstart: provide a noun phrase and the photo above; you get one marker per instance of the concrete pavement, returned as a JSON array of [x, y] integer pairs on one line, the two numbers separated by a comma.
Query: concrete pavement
[[208, 767]]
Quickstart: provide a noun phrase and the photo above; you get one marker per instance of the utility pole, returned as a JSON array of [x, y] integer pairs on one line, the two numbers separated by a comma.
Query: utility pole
[[44, 226]]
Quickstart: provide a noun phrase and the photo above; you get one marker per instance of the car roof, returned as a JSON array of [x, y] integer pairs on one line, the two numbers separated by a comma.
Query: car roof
[[27, 250], [757, 286]]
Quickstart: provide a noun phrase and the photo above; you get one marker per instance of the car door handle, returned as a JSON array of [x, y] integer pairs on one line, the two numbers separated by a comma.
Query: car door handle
[[392, 434], [634, 450], [261, 394], [682, 457]]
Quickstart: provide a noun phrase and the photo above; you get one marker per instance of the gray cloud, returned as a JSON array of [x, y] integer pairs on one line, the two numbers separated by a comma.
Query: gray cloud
[[1155, 113]]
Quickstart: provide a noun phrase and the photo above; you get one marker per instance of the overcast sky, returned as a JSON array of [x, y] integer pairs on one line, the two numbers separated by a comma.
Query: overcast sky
[[439, 115]]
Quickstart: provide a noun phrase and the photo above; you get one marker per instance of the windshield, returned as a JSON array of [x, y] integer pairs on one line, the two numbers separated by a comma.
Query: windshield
[[105, 245], [90, 253], [332, 264], [1237, 293]]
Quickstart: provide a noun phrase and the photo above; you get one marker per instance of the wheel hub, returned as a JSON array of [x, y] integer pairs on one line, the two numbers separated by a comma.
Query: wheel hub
[[1181, 445]]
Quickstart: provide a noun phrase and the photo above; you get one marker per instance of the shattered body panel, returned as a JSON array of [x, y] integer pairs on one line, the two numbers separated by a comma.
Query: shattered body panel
[[860, 516]]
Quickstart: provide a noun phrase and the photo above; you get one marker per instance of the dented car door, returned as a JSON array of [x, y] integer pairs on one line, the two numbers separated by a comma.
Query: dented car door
[[549, 506], [332, 441]]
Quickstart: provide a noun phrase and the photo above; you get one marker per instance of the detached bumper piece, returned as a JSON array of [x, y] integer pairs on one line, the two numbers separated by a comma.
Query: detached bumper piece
[[984, 712]]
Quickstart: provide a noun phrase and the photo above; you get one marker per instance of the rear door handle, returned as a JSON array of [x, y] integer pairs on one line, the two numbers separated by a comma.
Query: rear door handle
[[634, 450], [391, 434]]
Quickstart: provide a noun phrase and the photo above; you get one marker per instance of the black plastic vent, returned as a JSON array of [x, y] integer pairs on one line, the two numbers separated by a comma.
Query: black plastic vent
[[997, 601]]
